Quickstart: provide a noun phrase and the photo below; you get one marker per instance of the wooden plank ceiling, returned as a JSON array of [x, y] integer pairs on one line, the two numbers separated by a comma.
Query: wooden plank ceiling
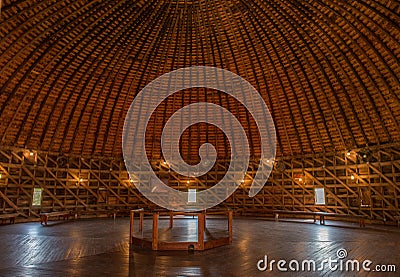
[[328, 70]]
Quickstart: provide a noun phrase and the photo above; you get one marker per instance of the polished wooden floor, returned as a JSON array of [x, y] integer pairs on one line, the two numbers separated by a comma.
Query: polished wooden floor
[[99, 247]]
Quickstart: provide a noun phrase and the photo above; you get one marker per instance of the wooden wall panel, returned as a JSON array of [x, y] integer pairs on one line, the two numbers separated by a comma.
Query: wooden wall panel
[[353, 184]]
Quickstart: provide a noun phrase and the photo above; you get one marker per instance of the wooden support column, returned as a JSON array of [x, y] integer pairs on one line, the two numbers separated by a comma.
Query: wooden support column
[[141, 215], [132, 216], [171, 219], [205, 219], [155, 231], [200, 231], [230, 216]]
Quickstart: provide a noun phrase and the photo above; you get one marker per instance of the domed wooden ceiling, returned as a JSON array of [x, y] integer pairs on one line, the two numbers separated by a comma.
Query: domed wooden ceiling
[[328, 70]]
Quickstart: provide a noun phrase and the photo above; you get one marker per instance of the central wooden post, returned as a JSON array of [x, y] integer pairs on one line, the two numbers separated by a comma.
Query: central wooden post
[[200, 230], [171, 219], [230, 215], [141, 215], [155, 232], [132, 215], [205, 219]]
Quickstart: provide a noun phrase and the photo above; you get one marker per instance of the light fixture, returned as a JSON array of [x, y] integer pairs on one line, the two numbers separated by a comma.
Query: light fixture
[[188, 181], [352, 177], [165, 162], [348, 153], [31, 153], [300, 179], [81, 180], [1, 175], [365, 155]]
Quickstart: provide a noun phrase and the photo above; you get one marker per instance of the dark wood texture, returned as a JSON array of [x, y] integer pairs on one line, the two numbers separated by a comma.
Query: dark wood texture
[[99, 247], [101, 187], [154, 244], [328, 70]]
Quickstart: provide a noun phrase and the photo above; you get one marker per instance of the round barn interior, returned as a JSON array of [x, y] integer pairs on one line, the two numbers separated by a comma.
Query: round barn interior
[[327, 70]]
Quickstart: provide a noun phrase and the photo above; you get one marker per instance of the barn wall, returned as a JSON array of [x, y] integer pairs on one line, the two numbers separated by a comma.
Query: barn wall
[[94, 186]]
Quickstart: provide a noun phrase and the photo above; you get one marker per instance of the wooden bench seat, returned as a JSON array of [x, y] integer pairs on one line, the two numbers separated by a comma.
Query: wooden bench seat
[[44, 217], [96, 213], [359, 218], [11, 217], [322, 215]]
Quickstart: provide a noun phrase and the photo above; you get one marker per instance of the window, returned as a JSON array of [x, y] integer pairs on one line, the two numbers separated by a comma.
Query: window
[[191, 195], [37, 197], [319, 196]]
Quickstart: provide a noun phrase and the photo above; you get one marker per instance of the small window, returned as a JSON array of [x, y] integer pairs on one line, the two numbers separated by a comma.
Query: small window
[[37, 197], [319, 196], [191, 195]]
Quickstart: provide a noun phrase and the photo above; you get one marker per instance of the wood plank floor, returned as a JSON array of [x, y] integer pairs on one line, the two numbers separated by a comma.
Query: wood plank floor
[[99, 247]]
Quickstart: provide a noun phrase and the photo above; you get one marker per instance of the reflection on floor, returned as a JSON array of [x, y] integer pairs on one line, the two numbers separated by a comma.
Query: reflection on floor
[[99, 247]]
